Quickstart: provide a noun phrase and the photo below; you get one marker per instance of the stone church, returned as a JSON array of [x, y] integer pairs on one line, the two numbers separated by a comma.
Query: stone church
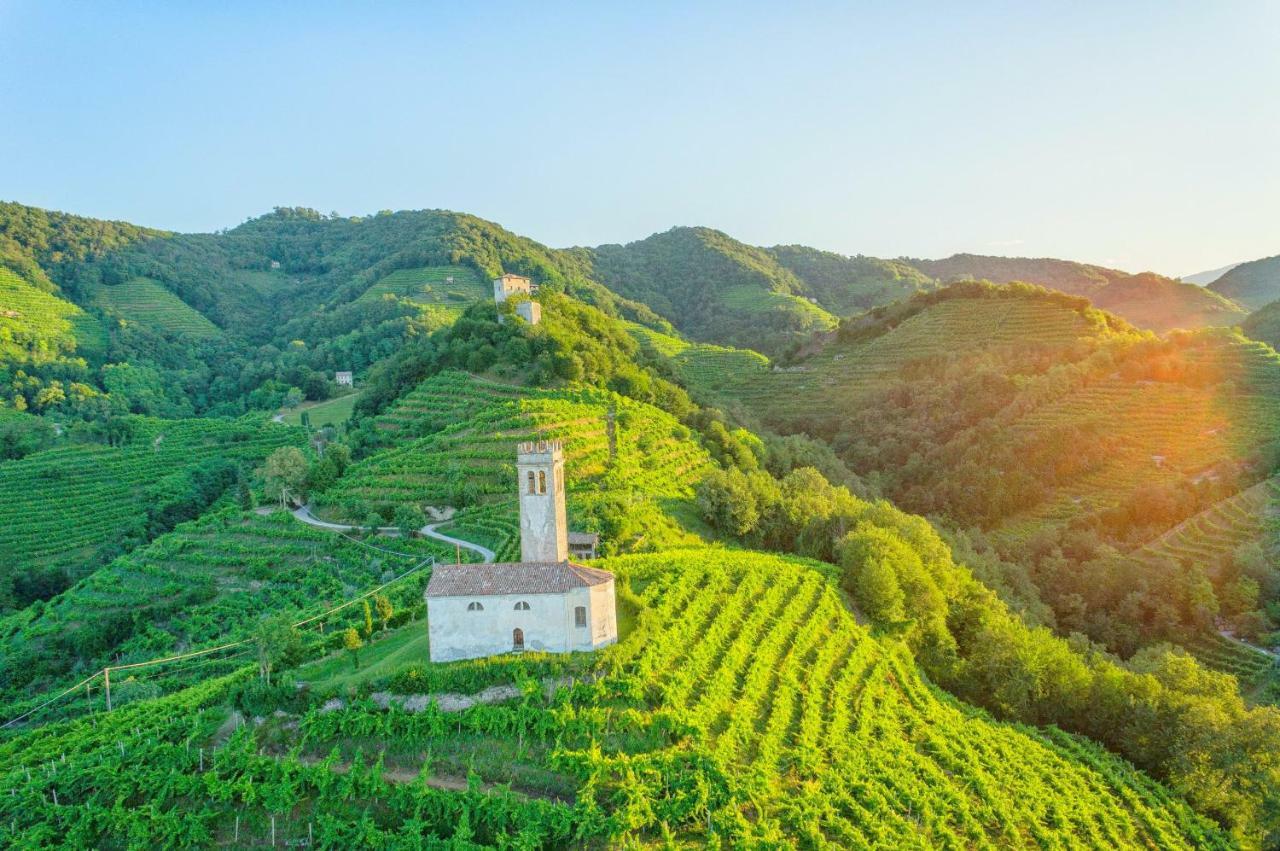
[[543, 602]]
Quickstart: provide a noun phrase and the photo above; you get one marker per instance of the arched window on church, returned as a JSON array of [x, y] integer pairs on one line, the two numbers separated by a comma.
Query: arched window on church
[[522, 606], [531, 490], [474, 607], [542, 482]]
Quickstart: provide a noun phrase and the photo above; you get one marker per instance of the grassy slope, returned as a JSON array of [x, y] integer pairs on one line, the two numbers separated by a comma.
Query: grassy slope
[[37, 326], [858, 752], [210, 579], [329, 412], [467, 455], [63, 503], [431, 285], [144, 300], [1253, 284]]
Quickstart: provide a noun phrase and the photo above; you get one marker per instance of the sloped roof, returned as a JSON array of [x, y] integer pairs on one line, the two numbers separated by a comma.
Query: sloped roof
[[476, 580], [584, 538]]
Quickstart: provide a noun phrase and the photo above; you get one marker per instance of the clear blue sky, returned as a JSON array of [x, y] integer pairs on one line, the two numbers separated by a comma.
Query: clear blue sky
[[1142, 135]]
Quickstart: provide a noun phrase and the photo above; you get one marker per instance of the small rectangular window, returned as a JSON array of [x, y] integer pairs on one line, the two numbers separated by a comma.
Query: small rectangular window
[[580, 616]]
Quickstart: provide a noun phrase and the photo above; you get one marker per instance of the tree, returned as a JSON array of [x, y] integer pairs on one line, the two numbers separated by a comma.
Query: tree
[[351, 643], [244, 494], [368, 619], [385, 610], [409, 519], [285, 474], [727, 502], [278, 645], [867, 555]]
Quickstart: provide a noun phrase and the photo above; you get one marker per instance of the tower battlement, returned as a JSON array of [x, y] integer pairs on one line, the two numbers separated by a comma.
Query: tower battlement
[[540, 447]]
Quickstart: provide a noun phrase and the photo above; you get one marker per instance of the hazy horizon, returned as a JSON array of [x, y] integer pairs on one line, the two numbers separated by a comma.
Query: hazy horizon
[[1141, 138]]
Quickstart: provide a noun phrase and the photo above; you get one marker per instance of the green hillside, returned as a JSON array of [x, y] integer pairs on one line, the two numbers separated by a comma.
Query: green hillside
[[68, 509], [466, 461], [1161, 304], [1147, 300], [697, 727], [37, 327], [1055, 435], [451, 286], [207, 582], [848, 285], [1264, 324], [1252, 284], [712, 287], [1065, 276], [144, 300]]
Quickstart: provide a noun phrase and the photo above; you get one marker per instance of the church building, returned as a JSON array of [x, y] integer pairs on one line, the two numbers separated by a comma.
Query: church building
[[543, 602]]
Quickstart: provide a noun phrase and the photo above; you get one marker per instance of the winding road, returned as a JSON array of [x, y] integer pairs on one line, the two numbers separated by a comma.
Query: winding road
[[487, 555]]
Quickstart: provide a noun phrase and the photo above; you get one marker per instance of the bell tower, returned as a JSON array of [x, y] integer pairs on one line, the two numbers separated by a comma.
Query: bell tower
[[544, 531]]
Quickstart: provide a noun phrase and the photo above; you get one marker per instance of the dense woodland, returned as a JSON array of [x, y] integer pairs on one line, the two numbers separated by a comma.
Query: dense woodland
[[969, 469]]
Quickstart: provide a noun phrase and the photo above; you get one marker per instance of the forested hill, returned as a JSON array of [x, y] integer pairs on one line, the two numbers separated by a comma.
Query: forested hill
[[104, 319], [713, 287], [1147, 300], [1252, 284], [1061, 437]]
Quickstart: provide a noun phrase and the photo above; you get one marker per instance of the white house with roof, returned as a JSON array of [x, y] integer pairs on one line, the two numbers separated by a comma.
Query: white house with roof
[[543, 602]]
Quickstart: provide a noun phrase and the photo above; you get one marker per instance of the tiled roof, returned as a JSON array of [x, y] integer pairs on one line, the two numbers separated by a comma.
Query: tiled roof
[[584, 538], [474, 580]]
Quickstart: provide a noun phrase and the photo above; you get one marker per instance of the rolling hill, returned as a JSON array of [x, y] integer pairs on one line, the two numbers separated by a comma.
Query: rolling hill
[[712, 287], [1147, 300], [1042, 425], [1252, 284]]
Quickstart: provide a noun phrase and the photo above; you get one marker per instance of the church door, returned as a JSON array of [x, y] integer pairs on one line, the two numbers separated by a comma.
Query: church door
[[517, 639]]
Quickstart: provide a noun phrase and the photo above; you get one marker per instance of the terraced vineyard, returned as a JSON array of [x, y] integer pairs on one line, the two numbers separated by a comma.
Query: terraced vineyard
[[38, 327], [1213, 535], [146, 301], [208, 581], [746, 707], [64, 503], [704, 368], [847, 372], [471, 461], [449, 286]]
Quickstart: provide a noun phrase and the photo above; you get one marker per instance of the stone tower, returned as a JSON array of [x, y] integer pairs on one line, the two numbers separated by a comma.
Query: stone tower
[[544, 531]]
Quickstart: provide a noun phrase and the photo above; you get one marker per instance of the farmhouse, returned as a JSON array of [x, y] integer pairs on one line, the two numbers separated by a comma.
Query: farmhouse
[[544, 601], [343, 379]]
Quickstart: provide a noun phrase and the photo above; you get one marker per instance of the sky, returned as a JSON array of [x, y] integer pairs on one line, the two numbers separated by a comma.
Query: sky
[[1144, 136]]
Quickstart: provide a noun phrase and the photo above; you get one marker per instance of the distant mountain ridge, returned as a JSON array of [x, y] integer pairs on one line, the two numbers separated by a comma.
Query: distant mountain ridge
[[1253, 284], [1208, 277]]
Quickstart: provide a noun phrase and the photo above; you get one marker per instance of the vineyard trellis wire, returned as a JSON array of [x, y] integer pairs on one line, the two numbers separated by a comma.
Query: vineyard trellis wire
[[105, 672]]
